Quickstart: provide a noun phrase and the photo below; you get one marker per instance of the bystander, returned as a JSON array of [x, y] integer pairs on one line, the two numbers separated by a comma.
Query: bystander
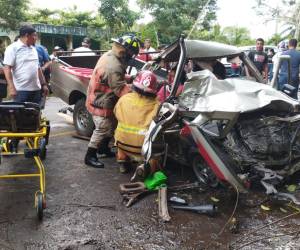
[[259, 58], [22, 72], [84, 50], [295, 63]]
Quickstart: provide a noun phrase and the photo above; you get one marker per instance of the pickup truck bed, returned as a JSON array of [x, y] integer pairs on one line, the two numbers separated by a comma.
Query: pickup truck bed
[[69, 80]]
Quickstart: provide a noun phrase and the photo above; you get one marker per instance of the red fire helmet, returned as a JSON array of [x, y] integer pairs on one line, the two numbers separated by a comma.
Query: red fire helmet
[[146, 81]]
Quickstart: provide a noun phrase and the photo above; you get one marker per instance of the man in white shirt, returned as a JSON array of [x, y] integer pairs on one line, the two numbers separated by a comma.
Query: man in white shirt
[[147, 46], [145, 52], [24, 77], [86, 44]]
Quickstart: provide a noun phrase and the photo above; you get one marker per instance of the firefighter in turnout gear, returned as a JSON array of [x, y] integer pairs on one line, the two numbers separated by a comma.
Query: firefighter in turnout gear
[[107, 84], [134, 112]]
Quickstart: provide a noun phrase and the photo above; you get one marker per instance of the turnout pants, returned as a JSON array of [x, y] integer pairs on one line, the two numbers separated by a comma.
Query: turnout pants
[[104, 128]]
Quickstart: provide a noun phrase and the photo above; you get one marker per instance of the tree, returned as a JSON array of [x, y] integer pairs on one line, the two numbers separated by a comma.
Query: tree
[[117, 16], [238, 36], [147, 31], [73, 17], [42, 16], [213, 34], [285, 12], [70, 17], [12, 13], [174, 17], [275, 39]]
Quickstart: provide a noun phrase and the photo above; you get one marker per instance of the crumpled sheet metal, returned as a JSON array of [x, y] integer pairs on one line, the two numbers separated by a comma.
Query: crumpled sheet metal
[[203, 92]]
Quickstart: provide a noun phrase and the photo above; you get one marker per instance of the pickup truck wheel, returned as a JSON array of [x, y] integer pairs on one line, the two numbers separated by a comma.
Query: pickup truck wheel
[[83, 120]]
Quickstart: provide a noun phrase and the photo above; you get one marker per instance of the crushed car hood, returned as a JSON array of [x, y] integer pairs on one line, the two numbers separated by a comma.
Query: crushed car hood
[[203, 92]]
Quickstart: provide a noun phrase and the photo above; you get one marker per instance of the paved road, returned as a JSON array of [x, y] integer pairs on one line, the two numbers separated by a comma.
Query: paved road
[[85, 210]]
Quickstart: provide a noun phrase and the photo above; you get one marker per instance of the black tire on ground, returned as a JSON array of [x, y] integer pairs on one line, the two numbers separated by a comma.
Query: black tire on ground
[[83, 121]]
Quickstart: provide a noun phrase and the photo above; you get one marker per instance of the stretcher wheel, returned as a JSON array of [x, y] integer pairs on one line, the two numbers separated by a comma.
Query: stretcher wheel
[[39, 203]]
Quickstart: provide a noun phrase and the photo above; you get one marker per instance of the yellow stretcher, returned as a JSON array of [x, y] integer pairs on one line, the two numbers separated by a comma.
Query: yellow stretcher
[[23, 121]]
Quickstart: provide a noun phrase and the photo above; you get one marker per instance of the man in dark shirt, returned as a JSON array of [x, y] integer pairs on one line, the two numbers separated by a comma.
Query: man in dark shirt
[[295, 63], [44, 61], [260, 58]]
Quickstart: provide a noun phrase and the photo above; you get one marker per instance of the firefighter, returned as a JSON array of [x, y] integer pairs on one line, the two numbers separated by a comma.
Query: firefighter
[[134, 112], [107, 84]]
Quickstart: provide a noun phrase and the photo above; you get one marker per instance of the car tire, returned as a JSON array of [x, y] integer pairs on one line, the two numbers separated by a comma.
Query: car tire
[[83, 120], [203, 172]]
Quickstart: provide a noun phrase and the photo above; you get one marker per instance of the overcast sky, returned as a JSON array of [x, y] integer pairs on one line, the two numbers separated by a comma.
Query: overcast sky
[[230, 13]]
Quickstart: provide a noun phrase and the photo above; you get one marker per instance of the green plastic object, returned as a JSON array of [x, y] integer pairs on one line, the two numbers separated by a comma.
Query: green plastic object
[[154, 181]]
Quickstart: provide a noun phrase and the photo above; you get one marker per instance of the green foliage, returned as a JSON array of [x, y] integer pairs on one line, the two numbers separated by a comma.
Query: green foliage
[[148, 31], [117, 16], [238, 36], [214, 34], [70, 17], [275, 39], [45, 16], [174, 17], [12, 13]]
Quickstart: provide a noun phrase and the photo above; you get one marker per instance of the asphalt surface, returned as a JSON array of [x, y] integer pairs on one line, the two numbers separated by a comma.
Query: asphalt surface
[[85, 210]]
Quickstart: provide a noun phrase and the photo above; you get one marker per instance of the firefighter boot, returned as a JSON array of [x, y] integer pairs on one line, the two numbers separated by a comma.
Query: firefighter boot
[[104, 150], [91, 159]]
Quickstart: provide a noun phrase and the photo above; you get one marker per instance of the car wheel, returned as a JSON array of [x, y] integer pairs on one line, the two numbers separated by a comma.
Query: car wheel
[[83, 120], [203, 172]]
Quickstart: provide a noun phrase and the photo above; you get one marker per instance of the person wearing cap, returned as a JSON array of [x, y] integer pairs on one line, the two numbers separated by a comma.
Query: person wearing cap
[[22, 70], [25, 80], [85, 47], [108, 83], [54, 52], [134, 112]]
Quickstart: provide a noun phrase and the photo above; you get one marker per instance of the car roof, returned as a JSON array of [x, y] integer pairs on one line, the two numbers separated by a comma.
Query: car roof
[[199, 49]]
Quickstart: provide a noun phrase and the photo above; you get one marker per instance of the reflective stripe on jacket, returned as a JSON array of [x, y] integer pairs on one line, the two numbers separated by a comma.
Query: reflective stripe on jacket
[[107, 84], [134, 113]]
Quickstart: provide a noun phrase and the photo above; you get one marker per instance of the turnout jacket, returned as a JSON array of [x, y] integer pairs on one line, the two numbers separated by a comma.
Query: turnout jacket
[[134, 113], [107, 84]]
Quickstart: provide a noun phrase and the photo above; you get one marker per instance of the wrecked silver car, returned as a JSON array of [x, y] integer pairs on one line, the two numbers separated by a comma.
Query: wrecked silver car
[[235, 130]]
